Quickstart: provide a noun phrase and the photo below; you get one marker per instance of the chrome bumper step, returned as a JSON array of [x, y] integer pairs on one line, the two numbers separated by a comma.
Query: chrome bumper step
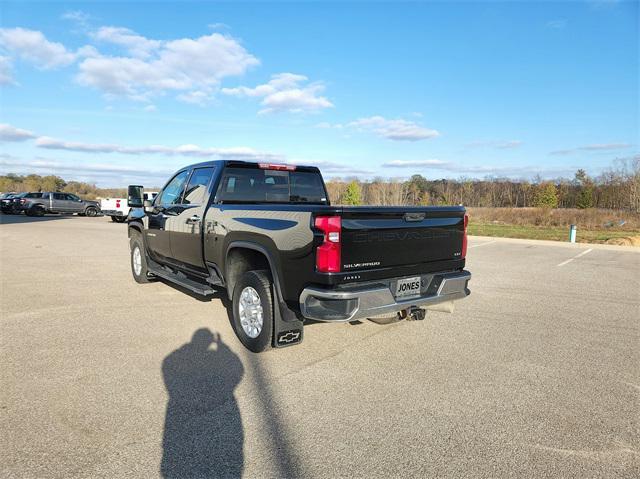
[[377, 300]]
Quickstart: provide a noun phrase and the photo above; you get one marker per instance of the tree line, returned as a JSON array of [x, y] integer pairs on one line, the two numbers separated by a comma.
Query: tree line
[[616, 188]]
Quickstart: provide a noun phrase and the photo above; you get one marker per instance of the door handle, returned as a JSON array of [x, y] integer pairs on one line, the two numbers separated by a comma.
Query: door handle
[[193, 220]]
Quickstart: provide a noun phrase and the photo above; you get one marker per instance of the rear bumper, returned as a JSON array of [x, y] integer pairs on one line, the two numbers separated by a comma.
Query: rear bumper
[[340, 305], [112, 213]]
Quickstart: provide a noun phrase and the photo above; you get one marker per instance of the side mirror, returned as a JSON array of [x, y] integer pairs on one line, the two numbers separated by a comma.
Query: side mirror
[[148, 206], [134, 196]]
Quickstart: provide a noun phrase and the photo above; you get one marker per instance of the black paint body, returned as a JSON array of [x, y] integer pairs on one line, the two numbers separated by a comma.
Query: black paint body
[[377, 242]]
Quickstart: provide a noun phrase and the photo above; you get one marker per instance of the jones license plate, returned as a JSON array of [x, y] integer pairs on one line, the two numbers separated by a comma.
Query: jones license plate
[[408, 287]]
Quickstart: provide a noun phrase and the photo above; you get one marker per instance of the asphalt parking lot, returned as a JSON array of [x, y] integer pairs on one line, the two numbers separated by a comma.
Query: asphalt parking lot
[[536, 374]]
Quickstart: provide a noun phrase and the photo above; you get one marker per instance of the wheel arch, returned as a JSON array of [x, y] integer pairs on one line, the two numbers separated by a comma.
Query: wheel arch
[[135, 226], [243, 256]]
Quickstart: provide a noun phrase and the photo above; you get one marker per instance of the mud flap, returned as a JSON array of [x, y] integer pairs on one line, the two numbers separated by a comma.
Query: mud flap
[[287, 328]]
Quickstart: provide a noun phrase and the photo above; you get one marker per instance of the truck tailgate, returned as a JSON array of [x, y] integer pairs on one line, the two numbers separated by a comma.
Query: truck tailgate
[[378, 237]]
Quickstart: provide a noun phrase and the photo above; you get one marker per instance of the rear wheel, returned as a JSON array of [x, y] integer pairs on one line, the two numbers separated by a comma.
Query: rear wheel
[[253, 310], [138, 259]]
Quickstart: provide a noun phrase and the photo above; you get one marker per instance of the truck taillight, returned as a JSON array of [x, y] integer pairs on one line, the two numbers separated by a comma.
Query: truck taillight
[[328, 253], [464, 236], [274, 166]]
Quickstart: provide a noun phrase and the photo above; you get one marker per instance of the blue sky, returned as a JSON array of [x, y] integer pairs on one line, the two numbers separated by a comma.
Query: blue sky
[[114, 93]]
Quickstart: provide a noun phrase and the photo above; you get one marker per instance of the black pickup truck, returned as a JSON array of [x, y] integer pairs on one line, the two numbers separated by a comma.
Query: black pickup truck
[[268, 234]]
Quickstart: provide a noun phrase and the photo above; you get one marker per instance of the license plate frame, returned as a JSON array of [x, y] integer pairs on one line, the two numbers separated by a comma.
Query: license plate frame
[[408, 287]]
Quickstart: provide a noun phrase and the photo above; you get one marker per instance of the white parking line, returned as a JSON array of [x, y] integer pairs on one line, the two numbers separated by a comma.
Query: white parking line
[[481, 244], [576, 256]]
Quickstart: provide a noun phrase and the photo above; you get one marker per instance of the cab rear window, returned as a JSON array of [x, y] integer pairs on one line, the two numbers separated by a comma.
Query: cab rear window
[[253, 185]]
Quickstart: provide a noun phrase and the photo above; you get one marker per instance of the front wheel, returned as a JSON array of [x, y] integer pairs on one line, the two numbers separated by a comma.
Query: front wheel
[[138, 260], [253, 310], [91, 211], [36, 211]]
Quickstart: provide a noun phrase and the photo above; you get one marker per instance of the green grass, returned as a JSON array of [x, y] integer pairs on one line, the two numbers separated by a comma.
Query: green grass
[[547, 233]]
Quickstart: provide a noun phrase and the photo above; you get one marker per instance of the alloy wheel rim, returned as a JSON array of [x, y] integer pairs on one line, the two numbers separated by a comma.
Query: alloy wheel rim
[[137, 261], [251, 313]]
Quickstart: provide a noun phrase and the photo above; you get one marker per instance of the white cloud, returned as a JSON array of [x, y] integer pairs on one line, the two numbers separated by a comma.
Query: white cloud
[[415, 164], [501, 145], [326, 125], [196, 97], [464, 169], [150, 108], [399, 130], [32, 46], [6, 71], [78, 17], [331, 168], [557, 24], [284, 92], [592, 148], [218, 26], [11, 133], [237, 153], [135, 44], [185, 65]]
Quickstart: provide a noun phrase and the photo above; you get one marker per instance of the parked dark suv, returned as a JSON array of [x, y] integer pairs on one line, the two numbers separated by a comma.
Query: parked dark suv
[[6, 201], [13, 205], [56, 202]]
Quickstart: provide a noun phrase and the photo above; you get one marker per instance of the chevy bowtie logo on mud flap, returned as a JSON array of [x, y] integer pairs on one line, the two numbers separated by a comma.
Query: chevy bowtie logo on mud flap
[[289, 337]]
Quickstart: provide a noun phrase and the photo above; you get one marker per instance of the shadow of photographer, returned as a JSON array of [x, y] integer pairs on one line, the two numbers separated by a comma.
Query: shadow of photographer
[[203, 435]]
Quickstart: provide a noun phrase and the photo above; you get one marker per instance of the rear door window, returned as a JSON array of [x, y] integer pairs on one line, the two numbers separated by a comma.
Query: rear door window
[[196, 191], [253, 185]]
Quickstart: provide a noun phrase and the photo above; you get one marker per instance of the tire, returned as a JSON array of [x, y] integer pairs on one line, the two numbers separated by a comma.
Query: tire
[[121, 219], [138, 260], [36, 211], [254, 337], [114, 219], [91, 211]]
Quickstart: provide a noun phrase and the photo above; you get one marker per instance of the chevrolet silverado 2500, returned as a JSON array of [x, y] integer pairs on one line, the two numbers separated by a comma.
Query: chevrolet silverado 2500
[[268, 235]]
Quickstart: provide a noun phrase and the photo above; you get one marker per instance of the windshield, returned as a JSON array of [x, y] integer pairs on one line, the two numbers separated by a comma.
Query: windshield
[[253, 185]]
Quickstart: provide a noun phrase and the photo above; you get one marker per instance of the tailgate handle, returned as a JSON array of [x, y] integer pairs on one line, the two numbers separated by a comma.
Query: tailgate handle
[[414, 216]]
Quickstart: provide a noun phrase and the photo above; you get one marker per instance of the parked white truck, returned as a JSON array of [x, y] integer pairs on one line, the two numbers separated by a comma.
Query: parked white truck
[[117, 208]]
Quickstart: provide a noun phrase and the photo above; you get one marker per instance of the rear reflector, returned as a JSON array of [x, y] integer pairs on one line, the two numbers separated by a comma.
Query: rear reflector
[[328, 253], [273, 166], [464, 236]]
